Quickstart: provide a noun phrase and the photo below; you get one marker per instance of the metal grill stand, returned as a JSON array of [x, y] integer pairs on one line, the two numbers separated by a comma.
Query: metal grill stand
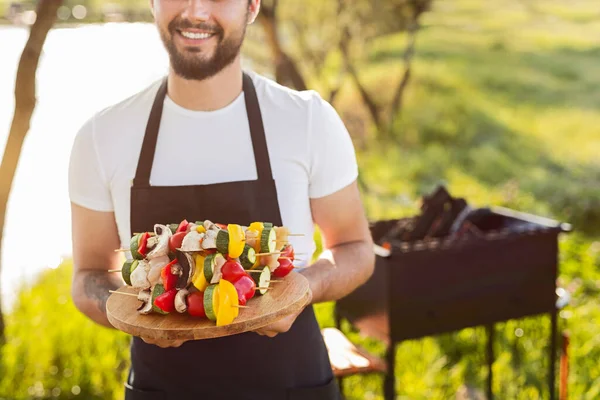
[[437, 286]]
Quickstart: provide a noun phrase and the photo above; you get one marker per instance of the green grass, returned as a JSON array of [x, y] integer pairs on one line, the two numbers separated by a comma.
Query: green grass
[[503, 109]]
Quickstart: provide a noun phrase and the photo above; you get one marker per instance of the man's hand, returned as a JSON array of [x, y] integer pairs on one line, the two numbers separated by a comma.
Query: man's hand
[[284, 324], [164, 343]]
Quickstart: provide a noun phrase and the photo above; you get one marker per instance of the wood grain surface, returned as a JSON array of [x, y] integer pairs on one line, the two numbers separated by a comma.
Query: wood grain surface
[[285, 298]]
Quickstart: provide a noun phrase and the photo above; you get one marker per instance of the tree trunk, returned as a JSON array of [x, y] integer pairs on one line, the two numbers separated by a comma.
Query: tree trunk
[[25, 101], [286, 69], [409, 53], [373, 108]]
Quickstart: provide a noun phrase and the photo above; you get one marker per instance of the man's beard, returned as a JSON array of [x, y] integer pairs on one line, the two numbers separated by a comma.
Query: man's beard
[[193, 64]]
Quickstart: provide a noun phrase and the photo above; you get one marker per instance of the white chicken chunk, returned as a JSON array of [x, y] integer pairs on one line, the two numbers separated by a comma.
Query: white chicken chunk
[[210, 240], [191, 241], [252, 238], [139, 276], [217, 274], [270, 261], [156, 265], [281, 233]]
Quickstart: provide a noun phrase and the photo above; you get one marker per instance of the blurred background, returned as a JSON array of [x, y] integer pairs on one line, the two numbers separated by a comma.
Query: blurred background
[[497, 100]]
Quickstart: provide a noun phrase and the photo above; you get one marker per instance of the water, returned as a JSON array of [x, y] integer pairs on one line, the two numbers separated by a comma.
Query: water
[[82, 70]]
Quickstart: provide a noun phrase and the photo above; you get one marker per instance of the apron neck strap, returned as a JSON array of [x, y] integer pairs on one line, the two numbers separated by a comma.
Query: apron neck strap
[[257, 133]]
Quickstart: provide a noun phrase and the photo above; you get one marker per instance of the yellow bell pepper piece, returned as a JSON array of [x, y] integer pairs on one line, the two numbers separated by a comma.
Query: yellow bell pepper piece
[[257, 227], [199, 280], [237, 240], [200, 229], [227, 310]]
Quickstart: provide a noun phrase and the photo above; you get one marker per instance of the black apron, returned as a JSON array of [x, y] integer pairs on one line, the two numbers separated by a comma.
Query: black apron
[[293, 365]]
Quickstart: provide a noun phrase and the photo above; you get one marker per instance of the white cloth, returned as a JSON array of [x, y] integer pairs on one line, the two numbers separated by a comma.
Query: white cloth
[[310, 150]]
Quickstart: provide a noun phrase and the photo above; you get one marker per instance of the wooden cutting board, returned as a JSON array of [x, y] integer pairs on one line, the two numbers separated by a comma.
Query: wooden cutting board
[[285, 298]]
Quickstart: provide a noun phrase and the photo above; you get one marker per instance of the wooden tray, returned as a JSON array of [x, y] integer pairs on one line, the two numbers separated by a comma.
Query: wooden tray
[[285, 298]]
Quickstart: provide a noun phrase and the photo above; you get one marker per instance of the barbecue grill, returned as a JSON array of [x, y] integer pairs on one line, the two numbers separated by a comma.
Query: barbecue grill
[[494, 265]]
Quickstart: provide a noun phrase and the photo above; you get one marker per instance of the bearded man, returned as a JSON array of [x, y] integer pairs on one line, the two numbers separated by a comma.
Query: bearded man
[[213, 141]]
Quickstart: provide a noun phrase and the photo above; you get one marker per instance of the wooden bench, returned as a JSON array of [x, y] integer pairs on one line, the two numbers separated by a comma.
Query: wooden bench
[[348, 359]]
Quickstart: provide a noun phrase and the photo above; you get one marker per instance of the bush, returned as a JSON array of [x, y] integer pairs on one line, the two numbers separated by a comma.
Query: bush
[[54, 351]]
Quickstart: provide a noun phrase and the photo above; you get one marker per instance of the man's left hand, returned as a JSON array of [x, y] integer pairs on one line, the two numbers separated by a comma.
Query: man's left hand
[[284, 324]]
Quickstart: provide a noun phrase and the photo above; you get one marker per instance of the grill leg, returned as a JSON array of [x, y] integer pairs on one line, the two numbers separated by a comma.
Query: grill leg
[[490, 359], [389, 383], [552, 350]]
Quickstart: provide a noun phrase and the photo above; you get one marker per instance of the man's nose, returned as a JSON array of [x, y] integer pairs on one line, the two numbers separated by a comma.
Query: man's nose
[[197, 10]]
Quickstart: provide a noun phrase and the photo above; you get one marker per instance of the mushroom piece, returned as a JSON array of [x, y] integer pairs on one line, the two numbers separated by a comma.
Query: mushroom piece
[[176, 269], [144, 295], [145, 308], [180, 301], [162, 247], [188, 272], [208, 225]]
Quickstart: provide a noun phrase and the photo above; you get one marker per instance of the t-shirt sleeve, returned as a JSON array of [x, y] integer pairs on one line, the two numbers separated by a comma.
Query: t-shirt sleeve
[[88, 186], [332, 153]]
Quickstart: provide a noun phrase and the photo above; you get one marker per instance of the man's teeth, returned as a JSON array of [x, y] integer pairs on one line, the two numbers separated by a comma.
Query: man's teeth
[[194, 35]]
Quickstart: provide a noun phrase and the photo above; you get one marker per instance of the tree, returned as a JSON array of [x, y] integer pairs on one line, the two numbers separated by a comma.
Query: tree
[[329, 39], [407, 14], [286, 70], [25, 101]]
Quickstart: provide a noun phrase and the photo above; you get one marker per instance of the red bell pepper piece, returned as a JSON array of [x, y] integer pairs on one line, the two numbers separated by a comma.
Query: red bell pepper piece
[[285, 267], [232, 271], [143, 244], [246, 288], [169, 280], [222, 226], [288, 251], [182, 226], [166, 301]]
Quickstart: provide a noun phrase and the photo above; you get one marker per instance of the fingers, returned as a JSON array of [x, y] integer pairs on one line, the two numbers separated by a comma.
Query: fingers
[[265, 332], [164, 343]]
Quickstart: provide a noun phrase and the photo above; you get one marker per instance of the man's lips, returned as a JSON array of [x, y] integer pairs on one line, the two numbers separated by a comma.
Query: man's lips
[[195, 34]]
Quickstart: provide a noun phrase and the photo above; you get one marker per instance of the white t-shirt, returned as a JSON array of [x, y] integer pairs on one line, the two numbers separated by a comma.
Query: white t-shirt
[[310, 150]]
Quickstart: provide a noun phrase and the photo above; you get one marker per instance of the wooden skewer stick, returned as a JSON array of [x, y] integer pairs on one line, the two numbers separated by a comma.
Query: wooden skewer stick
[[123, 293], [255, 271], [239, 306], [274, 281], [122, 250], [296, 234], [267, 254], [114, 270], [263, 288]]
